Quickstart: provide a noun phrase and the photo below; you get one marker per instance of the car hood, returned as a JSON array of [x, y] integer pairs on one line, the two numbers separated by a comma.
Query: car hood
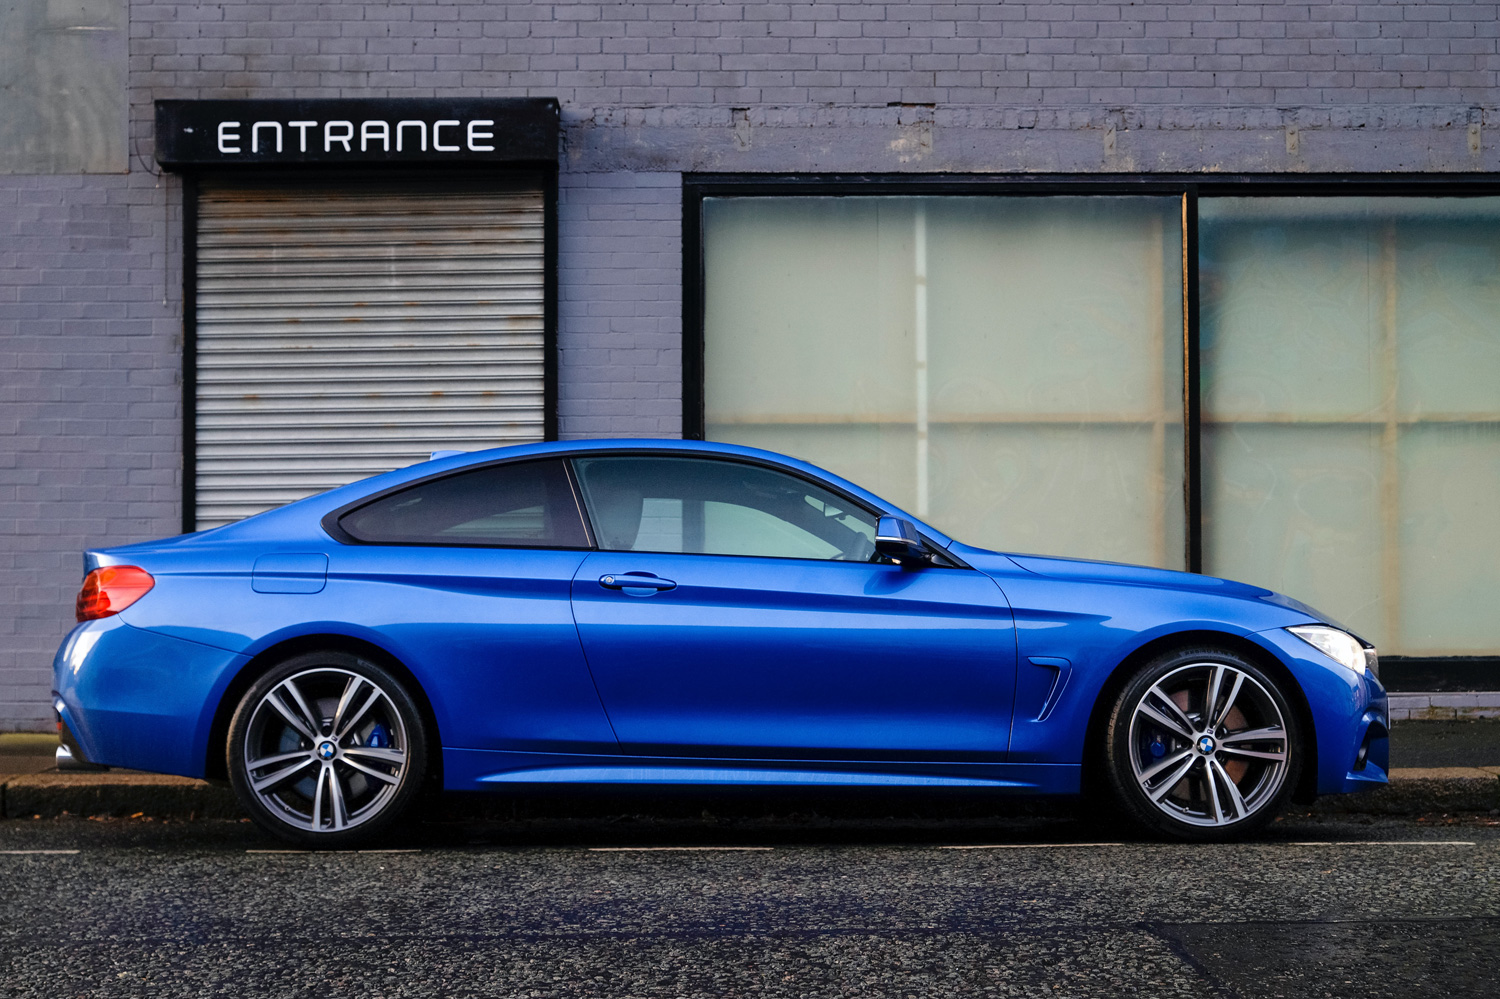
[[1086, 570]]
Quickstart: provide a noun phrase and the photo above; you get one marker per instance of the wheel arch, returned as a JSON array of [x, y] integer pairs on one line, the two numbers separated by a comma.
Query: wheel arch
[[1093, 750], [216, 763]]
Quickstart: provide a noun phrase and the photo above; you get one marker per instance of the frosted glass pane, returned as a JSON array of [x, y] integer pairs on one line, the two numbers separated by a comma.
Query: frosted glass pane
[[1300, 296], [1450, 538], [1371, 316], [1447, 300], [1289, 318], [877, 457], [808, 309], [936, 349], [1024, 488], [1055, 306], [1296, 509]]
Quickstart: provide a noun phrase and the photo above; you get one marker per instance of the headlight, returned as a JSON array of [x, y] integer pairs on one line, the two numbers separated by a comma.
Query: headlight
[[1340, 646]]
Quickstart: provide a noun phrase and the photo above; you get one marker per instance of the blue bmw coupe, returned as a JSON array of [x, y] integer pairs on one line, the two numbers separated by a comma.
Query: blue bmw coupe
[[674, 612]]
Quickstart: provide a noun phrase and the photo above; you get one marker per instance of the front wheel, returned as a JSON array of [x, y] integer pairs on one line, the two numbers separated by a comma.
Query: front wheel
[[326, 750], [1202, 745]]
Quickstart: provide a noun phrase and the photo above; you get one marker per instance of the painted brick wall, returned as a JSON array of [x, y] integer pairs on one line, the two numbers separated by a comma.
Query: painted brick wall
[[90, 291], [89, 400], [668, 86], [620, 304], [734, 54]]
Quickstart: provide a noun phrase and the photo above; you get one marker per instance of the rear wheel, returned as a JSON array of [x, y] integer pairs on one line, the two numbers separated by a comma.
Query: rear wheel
[[1202, 745], [327, 749]]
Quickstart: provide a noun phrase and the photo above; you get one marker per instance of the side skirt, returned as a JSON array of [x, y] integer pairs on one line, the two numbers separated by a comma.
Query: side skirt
[[487, 770]]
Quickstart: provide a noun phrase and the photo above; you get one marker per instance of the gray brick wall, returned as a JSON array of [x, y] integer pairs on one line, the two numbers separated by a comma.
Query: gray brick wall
[[90, 293], [89, 393], [620, 304], [655, 86], [674, 52]]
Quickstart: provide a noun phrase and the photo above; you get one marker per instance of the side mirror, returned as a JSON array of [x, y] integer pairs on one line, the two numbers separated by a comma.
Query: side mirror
[[898, 539]]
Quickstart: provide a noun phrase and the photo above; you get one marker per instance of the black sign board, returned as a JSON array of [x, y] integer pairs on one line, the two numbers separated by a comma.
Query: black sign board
[[458, 130]]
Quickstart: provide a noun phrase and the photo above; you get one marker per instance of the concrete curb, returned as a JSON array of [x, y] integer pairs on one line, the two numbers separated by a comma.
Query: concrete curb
[[48, 795], [1444, 706]]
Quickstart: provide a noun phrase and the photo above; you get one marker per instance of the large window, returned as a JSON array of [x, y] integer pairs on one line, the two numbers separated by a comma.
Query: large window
[[1013, 368], [1351, 410], [1007, 368]]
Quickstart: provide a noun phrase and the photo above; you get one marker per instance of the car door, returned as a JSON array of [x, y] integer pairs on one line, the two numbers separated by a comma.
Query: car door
[[467, 576], [736, 610]]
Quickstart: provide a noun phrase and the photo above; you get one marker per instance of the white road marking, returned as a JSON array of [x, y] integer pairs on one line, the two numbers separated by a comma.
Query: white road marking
[[679, 849], [1350, 842], [1026, 846], [38, 853], [1383, 842], [414, 850]]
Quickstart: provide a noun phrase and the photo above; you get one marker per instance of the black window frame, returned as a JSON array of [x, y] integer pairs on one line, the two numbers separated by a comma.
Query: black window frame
[[1190, 187], [331, 526]]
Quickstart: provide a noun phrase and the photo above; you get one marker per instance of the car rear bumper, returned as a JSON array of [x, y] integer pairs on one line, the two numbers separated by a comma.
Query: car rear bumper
[[133, 698]]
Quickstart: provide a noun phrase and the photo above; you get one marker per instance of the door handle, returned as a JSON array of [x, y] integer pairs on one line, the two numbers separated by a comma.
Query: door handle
[[635, 581]]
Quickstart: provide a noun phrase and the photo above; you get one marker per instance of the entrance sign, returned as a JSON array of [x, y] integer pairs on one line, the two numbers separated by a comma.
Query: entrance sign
[[221, 133]]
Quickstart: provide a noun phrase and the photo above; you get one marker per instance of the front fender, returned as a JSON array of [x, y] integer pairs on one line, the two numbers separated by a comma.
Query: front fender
[[1349, 710], [1084, 629]]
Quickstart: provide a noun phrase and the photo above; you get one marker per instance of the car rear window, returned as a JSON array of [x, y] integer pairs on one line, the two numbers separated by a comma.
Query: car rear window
[[526, 503]]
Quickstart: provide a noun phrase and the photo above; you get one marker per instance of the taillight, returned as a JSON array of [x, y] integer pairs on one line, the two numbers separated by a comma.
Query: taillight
[[111, 589]]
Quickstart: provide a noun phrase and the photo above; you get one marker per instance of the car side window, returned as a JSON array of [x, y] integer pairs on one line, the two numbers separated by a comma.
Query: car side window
[[526, 503], [712, 507]]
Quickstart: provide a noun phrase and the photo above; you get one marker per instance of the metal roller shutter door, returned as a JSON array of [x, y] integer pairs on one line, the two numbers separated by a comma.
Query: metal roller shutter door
[[341, 333]]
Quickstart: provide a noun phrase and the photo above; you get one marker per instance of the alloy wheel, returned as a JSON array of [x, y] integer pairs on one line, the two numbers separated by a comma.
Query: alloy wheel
[[1208, 745], [325, 750]]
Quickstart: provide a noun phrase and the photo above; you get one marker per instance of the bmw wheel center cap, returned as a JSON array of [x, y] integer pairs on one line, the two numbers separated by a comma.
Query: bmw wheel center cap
[[327, 751], [1206, 745]]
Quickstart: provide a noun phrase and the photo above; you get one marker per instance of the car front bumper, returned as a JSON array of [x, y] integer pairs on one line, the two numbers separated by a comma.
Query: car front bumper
[[1351, 719]]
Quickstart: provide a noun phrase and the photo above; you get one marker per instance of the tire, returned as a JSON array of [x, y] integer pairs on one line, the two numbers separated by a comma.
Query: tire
[[327, 750], [1179, 771]]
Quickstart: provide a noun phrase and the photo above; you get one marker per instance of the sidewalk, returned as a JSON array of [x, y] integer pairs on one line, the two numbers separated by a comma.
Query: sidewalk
[[1458, 770], [31, 786]]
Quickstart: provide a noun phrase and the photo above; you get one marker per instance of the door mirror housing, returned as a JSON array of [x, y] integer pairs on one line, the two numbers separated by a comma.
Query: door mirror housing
[[897, 539]]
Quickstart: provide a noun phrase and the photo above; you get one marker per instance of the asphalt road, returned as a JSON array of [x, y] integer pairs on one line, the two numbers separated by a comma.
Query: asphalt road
[[1026, 907]]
